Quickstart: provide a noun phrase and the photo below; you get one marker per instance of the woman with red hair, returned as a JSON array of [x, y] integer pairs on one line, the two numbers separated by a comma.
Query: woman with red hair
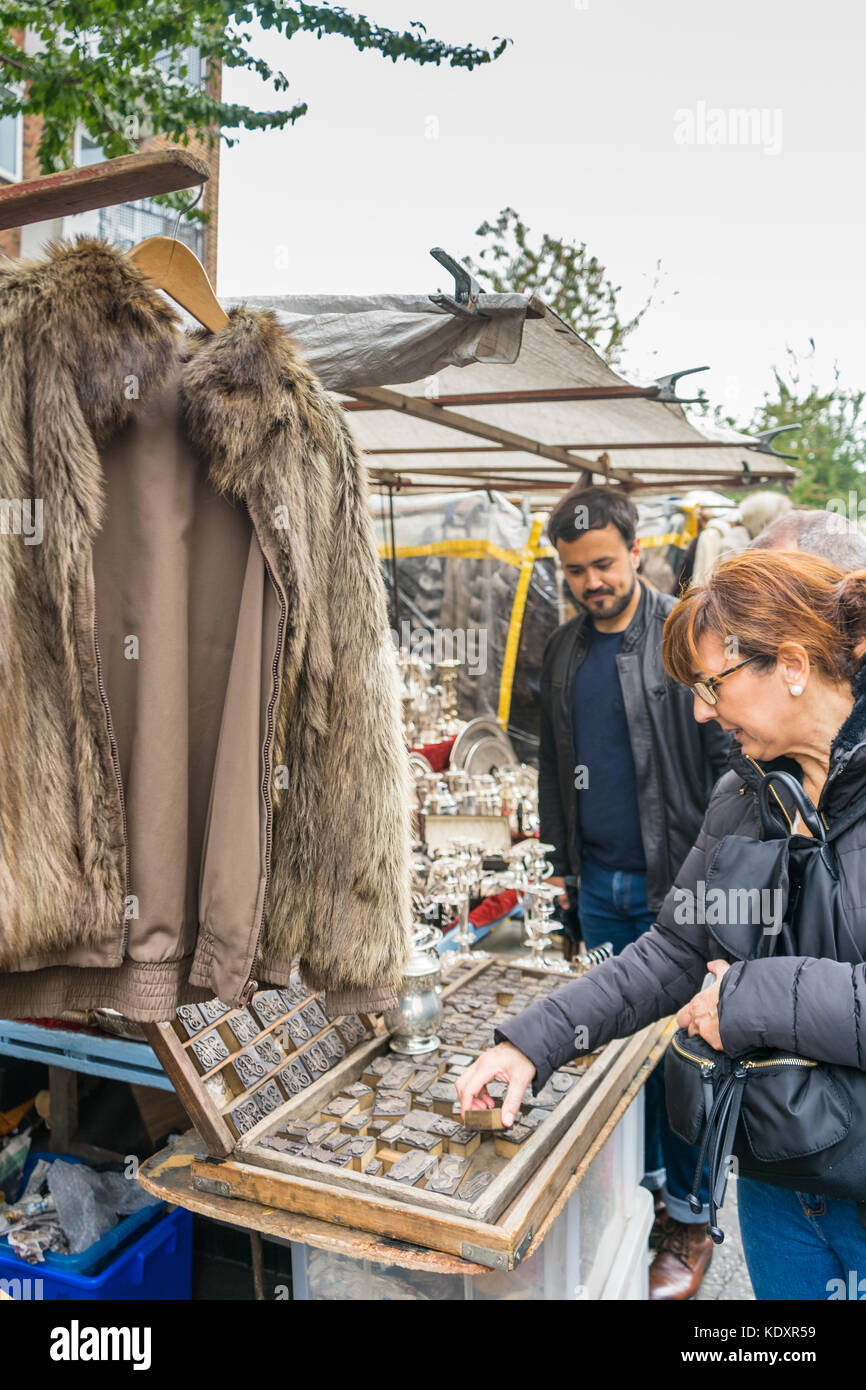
[[770, 645]]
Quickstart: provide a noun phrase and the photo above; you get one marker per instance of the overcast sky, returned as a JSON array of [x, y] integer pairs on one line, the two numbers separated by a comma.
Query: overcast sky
[[607, 121]]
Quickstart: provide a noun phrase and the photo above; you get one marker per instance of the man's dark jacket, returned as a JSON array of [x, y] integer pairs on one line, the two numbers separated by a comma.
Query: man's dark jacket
[[677, 761], [810, 1007]]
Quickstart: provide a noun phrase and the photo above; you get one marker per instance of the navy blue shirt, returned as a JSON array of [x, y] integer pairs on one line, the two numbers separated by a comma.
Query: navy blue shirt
[[606, 791]]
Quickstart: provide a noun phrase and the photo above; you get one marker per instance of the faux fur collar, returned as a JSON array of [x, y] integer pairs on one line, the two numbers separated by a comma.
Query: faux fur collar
[[90, 309]]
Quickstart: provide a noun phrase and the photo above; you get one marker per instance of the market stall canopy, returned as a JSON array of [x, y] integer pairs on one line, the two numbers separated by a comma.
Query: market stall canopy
[[504, 394]]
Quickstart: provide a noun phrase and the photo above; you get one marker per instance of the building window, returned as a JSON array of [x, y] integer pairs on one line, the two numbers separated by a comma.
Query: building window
[[129, 223], [10, 145], [89, 150], [190, 59]]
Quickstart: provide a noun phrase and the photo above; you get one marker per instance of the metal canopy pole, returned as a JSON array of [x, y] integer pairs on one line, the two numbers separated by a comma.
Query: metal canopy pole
[[395, 588]]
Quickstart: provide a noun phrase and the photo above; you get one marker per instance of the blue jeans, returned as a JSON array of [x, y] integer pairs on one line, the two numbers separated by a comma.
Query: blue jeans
[[799, 1246], [612, 907]]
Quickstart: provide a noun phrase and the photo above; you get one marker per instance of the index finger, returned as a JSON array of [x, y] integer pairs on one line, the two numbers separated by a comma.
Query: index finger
[[473, 1081]]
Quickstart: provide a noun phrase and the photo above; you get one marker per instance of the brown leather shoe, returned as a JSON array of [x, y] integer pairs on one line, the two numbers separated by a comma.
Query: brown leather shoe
[[684, 1254], [662, 1216]]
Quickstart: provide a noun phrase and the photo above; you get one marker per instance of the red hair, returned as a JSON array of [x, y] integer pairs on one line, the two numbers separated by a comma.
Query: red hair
[[764, 598]]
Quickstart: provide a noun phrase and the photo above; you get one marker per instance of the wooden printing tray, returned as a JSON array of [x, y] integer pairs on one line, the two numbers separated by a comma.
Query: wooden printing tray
[[495, 1230]]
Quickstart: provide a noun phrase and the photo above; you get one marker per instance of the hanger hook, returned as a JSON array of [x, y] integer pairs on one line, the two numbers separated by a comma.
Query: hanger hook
[[184, 211]]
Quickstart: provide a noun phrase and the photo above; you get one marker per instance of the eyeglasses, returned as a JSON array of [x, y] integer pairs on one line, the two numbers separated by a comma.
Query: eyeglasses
[[706, 690]]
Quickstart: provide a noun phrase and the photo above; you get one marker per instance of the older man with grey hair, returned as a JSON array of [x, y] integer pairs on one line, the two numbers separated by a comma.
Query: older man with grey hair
[[827, 534]]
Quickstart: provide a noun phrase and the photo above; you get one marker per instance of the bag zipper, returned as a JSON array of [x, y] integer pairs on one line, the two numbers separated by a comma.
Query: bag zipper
[[251, 985], [115, 758]]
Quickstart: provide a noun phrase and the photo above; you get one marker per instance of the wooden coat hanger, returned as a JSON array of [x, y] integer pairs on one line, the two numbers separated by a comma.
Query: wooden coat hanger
[[173, 268]]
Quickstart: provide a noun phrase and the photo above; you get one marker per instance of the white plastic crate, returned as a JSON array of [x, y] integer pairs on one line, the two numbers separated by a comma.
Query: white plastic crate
[[595, 1250]]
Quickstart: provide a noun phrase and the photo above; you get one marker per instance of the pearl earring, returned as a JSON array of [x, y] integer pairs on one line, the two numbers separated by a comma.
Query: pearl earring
[[796, 689]]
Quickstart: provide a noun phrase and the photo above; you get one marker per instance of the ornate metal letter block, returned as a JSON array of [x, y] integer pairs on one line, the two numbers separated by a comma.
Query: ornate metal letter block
[[269, 1097], [314, 1016], [244, 1027], [390, 1104], [245, 1115], [316, 1059], [268, 1006], [352, 1030], [249, 1068], [190, 1019], [212, 1010], [269, 1052], [332, 1045], [294, 1078], [209, 1051]]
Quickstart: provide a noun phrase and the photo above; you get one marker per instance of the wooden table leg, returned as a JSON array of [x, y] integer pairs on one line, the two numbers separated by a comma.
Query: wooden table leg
[[63, 1086], [258, 1265]]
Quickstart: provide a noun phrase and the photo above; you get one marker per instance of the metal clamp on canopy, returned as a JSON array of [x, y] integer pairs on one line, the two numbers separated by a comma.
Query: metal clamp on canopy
[[464, 301]]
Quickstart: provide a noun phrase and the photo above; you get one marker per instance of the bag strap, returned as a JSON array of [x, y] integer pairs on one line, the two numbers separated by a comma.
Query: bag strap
[[769, 820]]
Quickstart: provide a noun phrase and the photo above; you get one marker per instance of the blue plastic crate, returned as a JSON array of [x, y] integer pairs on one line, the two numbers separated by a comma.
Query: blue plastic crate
[[156, 1266], [97, 1255]]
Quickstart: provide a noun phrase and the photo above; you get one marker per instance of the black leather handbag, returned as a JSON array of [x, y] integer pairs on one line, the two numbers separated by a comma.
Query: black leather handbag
[[787, 1120]]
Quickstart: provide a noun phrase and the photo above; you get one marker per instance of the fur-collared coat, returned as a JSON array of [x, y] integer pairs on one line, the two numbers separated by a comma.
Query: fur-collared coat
[[202, 772]]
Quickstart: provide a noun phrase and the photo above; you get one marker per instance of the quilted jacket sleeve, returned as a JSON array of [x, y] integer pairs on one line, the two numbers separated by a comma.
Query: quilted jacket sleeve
[[651, 978], [811, 1008]]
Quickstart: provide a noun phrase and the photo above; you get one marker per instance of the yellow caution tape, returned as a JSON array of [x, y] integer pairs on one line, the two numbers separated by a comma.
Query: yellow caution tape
[[506, 684], [468, 550]]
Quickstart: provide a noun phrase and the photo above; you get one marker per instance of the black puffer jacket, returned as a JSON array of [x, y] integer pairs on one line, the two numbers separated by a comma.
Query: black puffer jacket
[[813, 1008], [677, 761]]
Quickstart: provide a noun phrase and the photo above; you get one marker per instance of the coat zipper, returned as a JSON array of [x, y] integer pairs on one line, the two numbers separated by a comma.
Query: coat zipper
[[251, 985], [774, 1062], [124, 940]]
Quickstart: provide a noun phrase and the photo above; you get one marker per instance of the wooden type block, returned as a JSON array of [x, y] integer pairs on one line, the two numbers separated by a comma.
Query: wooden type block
[[390, 1104], [189, 1021], [444, 1126], [340, 1160], [509, 1141], [424, 1120], [321, 1131], [423, 1102], [333, 1142], [208, 1051], [484, 1119], [340, 1107], [362, 1094], [357, 1124], [296, 1130], [361, 1152], [443, 1095], [294, 1077], [473, 1185], [400, 1075], [411, 1167], [375, 1168], [285, 1146], [388, 1137], [459, 1061], [534, 1117], [376, 1069], [269, 1097], [379, 1124], [463, 1141], [497, 1090], [424, 1077], [448, 1174], [268, 1006], [421, 1140]]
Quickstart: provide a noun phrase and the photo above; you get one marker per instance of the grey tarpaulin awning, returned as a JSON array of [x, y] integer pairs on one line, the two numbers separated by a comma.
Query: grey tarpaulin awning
[[509, 398]]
